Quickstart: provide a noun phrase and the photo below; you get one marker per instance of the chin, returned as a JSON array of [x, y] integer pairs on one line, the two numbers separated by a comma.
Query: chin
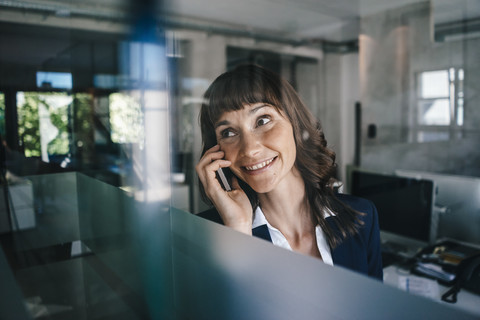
[[262, 188], [261, 185]]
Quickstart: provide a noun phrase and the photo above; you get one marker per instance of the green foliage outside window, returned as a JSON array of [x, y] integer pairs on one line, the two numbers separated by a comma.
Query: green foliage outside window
[[59, 118], [83, 133], [29, 109], [126, 118], [67, 122], [28, 124]]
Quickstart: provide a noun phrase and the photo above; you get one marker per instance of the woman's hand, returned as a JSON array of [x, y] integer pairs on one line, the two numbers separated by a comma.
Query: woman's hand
[[233, 206]]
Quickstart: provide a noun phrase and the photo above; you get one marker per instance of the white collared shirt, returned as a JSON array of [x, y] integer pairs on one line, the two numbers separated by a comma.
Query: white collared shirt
[[279, 239]]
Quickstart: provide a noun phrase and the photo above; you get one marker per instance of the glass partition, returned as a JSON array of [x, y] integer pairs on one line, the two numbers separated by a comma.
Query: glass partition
[[130, 260], [219, 274], [99, 137], [84, 249], [419, 79]]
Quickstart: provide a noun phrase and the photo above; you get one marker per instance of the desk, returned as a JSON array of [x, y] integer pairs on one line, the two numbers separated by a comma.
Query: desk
[[96, 253], [88, 255], [394, 275]]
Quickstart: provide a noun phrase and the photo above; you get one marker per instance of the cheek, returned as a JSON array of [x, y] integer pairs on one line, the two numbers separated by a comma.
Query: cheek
[[289, 148], [229, 150], [292, 150], [284, 140]]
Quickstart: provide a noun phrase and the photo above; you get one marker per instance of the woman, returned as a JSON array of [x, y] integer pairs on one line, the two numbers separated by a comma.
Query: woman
[[255, 127]]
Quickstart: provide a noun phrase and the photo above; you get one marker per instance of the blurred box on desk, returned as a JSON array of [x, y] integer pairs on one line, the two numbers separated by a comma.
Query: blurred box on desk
[[20, 205]]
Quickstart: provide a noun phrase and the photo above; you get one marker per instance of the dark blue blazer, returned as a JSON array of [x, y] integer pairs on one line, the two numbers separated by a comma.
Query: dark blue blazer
[[360, 253]]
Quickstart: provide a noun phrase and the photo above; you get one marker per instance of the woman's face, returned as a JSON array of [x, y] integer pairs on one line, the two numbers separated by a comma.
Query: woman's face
[[259, 142]]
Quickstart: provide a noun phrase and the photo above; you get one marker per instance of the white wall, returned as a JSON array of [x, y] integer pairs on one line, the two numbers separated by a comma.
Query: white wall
[[340, 91], [394, 46]]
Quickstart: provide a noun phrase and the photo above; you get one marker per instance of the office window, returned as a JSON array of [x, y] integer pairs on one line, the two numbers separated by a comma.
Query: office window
[[2, 114], [440, 105], [43, 123], [58, 80], [126, 118]]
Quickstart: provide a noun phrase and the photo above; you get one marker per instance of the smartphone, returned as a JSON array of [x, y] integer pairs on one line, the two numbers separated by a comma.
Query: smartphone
[[223, 180]]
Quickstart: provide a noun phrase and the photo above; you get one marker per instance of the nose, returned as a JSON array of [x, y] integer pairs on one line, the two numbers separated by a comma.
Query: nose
[[250, 145]]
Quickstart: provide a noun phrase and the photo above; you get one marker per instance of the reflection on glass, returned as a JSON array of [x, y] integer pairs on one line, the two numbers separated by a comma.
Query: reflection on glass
[[106, 129], [428, 136], [2, 114], [460, 112], [436, 112], [142, 64], [434, 84], [440, 104]]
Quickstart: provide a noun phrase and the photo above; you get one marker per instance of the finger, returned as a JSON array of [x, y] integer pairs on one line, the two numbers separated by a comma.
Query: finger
[[211, 168], [211, 156], [212, 164], [208, 159], [215, 148], [207, 175]]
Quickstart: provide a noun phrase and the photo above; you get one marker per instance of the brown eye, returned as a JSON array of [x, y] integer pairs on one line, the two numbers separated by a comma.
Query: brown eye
[[227, 133], [263, 121]]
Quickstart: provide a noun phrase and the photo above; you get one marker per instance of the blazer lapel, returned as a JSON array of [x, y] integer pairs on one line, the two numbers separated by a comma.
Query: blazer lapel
[[262, 232], [340, 253]]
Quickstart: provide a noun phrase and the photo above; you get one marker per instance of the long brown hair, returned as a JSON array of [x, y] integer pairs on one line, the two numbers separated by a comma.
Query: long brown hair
[[251, 84]]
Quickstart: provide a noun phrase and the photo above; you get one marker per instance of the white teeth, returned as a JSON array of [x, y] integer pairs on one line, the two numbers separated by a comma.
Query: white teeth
[[260, 165]]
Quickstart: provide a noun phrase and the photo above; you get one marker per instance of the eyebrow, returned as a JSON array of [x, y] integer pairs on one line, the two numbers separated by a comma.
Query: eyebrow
[[265, 105], [254, 110], [222, 123]]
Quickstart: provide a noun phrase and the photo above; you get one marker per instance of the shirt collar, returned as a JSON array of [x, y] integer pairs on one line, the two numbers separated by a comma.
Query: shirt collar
[[278, 239], [259, 217]]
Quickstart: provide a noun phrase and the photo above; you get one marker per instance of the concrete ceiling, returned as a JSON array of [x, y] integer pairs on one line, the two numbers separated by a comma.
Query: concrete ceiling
[[336, 20], [445, 11], [305, 19]]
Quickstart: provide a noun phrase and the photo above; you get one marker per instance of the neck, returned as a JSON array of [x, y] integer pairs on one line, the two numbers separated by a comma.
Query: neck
[[285, 207]]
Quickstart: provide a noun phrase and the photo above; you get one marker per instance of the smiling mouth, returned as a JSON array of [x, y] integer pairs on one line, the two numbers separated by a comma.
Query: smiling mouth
[[259, 165]]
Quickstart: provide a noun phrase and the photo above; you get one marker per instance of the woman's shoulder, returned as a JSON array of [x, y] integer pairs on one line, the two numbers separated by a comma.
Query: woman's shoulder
[[356, 203], [359, 204]]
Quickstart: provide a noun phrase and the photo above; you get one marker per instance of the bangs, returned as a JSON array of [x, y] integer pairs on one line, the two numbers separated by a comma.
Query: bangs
[[230, 92]]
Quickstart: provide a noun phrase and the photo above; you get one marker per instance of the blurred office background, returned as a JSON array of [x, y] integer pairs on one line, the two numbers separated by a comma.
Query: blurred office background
[[411, 67], [110, 91]]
